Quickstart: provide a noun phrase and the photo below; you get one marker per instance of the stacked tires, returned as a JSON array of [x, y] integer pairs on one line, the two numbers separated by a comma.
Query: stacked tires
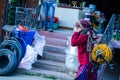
[[10, 55]]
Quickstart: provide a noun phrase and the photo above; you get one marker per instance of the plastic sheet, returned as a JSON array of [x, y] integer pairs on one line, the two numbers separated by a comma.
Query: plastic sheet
[[115, 44], [39, 43], [28, 59], [71, 60]]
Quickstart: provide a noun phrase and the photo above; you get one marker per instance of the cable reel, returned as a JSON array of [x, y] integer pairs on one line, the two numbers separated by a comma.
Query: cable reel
[[101, 54]]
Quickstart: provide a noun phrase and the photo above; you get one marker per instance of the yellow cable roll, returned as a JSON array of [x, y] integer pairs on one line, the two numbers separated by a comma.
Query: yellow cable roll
[[95, 26], [101, 50]]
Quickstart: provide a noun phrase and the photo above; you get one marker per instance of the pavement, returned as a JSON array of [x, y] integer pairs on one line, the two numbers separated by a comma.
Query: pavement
[[22, 77], [19, 76], [112, 74], [108, 75]]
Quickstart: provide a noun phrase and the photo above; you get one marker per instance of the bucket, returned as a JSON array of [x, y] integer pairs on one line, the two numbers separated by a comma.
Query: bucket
[[55, 25], [25, 38], [92, 7]]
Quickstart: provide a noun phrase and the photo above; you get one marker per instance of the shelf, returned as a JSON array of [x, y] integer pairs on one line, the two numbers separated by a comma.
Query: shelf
[[21, 12], [22, 19], [70, 7]]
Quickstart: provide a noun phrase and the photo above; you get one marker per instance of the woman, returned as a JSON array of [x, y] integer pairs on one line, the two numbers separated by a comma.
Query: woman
[[80, 39]]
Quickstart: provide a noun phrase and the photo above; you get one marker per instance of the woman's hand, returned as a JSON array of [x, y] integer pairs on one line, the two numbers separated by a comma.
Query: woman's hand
[[79, 29]]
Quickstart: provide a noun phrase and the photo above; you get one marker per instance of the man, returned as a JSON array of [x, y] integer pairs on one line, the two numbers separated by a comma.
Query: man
[[48, 10]]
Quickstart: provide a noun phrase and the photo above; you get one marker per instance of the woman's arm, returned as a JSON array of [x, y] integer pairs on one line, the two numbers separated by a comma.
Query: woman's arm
[[78, 39]]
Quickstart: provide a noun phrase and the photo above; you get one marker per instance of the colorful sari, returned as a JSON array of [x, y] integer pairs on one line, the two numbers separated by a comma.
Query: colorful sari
[[86, 72]]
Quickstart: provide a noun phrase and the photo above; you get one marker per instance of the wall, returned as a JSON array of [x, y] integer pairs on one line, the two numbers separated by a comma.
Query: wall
[[32, 3], [67, 16]]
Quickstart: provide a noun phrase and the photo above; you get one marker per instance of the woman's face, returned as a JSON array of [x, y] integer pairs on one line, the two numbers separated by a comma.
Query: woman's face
[[78, 25]]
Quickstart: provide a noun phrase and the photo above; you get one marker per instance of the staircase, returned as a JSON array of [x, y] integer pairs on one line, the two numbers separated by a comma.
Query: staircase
[[52, 64]]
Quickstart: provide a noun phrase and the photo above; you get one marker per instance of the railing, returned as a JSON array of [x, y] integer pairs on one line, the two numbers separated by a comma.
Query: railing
[[108, 34]]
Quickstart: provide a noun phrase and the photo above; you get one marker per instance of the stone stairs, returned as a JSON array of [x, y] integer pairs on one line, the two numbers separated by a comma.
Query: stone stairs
[[53, 61], [52, 64]]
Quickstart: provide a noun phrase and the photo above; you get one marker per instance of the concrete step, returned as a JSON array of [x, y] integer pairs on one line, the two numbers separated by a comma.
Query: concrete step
[[54, 49], [58, 34], [53, 75], [53, 61], [64, 31], [51, 65], [57, 57], [56, 42]]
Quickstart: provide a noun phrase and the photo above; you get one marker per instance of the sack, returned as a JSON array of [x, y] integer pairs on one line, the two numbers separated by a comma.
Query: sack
[[28, 59], [39, 43], [115, 44], [70, 49], [71, 60]]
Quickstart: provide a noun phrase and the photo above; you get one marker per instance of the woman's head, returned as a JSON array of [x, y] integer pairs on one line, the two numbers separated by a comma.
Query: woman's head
[[83, 23]]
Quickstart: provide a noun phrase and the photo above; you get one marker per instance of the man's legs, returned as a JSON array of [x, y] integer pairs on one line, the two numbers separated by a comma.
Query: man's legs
[[45, 11], [51, 14]]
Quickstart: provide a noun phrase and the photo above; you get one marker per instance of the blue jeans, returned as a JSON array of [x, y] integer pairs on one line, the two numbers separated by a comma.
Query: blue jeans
[[48, 10]]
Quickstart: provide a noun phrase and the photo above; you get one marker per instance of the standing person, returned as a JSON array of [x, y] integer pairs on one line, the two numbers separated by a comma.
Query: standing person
[[80, 39], [48, 10], [39, 20]]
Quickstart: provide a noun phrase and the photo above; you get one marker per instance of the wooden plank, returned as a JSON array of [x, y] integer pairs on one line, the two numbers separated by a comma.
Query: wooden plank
[[32, 3], [1, 12], [66, 28]]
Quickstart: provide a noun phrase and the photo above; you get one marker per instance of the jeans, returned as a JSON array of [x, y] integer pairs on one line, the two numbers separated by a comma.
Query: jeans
[[48, 10]]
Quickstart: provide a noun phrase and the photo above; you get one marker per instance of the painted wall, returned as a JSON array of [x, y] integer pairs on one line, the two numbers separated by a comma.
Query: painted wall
[[67, 16]]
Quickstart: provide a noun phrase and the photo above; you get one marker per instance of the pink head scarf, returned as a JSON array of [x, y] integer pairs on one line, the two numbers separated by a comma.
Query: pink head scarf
[[83, 23]]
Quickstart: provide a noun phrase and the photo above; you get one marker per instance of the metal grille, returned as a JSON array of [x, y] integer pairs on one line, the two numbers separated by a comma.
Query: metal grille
[[26, 17], [108, 34]]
